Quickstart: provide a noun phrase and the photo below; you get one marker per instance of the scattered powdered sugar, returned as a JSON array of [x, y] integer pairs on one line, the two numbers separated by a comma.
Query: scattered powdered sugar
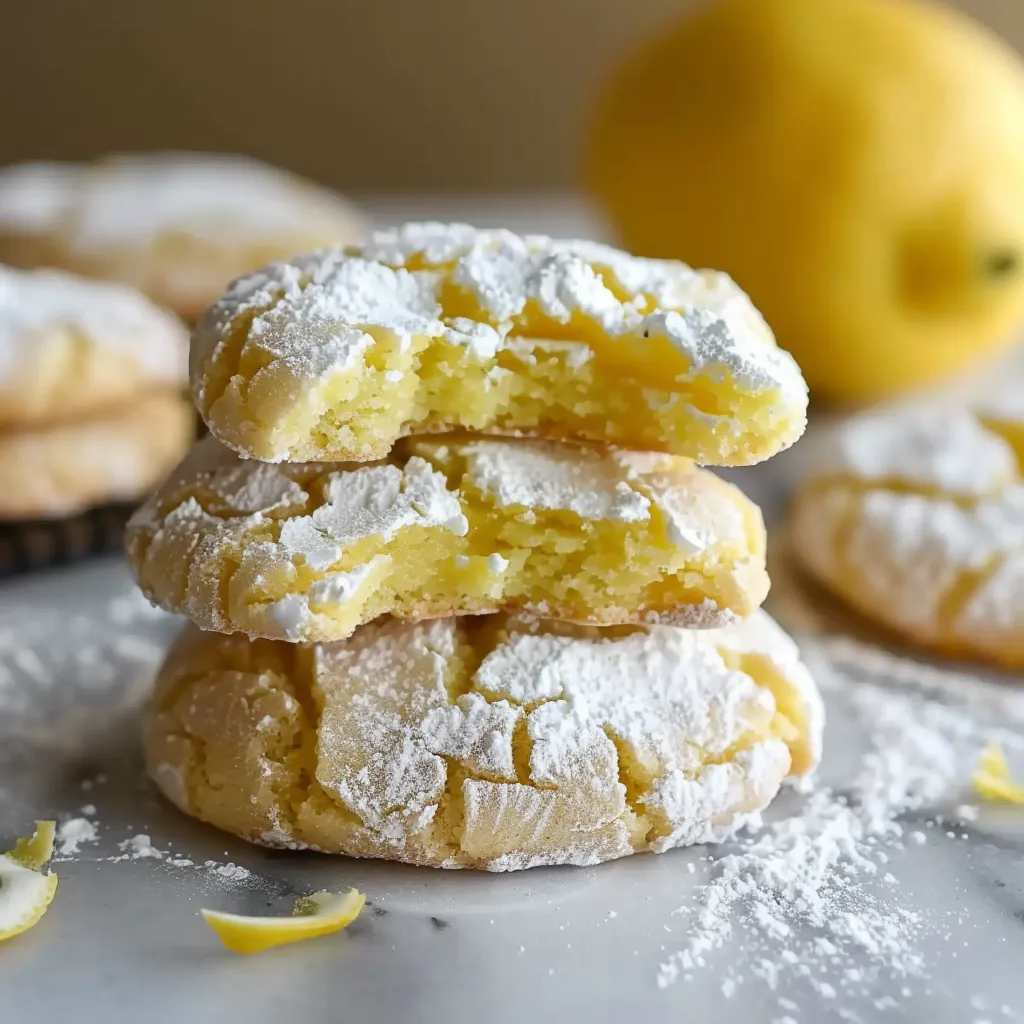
[[61, 675], [812, 889], [73, 832], [140, 847], [230, 872]]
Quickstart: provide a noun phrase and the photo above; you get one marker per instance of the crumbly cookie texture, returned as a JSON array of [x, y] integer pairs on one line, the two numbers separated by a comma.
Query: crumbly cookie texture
[[179, 226], [496, 743], [69, 346], [118, 454], [918, 523], [309, 551], [431, 328]]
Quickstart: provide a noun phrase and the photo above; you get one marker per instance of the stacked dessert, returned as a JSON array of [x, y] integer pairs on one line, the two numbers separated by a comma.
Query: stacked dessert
[[532, 640]]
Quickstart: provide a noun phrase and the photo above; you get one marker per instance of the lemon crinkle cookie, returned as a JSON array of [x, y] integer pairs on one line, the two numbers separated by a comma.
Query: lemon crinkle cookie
[[497, 743], [115, 455], [70, 347], [467, 525], [179, 226], [430, 328], [918, 524]]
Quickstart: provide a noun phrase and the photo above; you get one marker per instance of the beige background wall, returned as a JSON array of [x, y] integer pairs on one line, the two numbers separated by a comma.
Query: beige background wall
[[366, 94]]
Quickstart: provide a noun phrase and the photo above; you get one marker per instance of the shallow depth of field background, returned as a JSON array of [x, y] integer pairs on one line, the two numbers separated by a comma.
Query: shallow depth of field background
[[370, 95]]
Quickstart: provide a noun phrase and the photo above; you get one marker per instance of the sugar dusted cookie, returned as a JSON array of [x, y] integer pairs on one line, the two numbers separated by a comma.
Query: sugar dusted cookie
[[310, 551], [432, 328], [918, 524], [116, 455], [69, 346], [497, 743], [178, 226]]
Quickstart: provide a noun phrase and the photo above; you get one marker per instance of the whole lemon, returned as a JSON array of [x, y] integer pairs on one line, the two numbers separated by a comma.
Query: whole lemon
[[856, 165]]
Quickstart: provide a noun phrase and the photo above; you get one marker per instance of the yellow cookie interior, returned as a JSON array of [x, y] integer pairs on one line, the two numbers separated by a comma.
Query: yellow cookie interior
[[578, 534], [335, 356]]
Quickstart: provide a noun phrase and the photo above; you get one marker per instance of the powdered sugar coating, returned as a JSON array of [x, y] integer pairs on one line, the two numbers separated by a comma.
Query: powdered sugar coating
[[710, 321], [135, 199], [949, 452], [918, 521], [551, 476], [563, 746], [46, 306], [303, 551], [304, 331]]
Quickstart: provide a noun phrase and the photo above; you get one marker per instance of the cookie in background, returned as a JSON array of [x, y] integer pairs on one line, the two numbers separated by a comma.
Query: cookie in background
[[177, 226], [915, 521], [92, 407]]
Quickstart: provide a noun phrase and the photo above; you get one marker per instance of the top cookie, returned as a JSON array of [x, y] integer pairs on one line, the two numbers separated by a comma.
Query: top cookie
[[432, 328], [70, 346], [917, 521], [178, 226]]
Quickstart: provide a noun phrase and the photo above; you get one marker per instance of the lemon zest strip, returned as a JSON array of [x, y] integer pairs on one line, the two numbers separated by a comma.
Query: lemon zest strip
[[323, 913], [992, 778]]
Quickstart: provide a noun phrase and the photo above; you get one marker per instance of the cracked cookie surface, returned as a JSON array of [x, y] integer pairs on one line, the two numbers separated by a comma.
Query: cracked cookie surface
[[464, 526], [177, 226], [432, 328], [71, 347], [497, 743], [918, 524]]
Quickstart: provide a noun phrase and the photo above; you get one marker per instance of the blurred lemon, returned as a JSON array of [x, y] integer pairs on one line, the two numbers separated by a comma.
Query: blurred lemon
[[856, 165]]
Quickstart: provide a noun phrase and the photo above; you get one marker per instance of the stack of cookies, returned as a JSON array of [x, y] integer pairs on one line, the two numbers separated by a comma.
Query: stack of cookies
[[461, 595]]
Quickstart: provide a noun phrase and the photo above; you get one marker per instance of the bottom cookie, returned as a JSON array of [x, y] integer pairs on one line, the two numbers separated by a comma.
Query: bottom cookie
[[494, 742]]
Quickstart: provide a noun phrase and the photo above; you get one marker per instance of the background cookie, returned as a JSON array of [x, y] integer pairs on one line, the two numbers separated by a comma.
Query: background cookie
[[69, 346], [491, 743], [918, 523], [309, 551], [115, 456], [434, 327], [178, 226]]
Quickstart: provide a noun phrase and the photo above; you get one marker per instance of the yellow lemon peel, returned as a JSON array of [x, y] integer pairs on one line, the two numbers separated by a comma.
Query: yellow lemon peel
[[323, 913], [25, 892], [992, 778], [35, 851]]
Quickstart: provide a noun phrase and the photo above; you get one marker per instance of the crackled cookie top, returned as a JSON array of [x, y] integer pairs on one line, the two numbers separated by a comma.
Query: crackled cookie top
[[68, 344], [496, 743], [179, 226], [134, 200], [918, 520], [436, 327], [305, 551]]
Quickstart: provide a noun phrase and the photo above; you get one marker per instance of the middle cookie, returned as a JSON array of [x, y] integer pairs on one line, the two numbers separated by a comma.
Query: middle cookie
[[307, 552]]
